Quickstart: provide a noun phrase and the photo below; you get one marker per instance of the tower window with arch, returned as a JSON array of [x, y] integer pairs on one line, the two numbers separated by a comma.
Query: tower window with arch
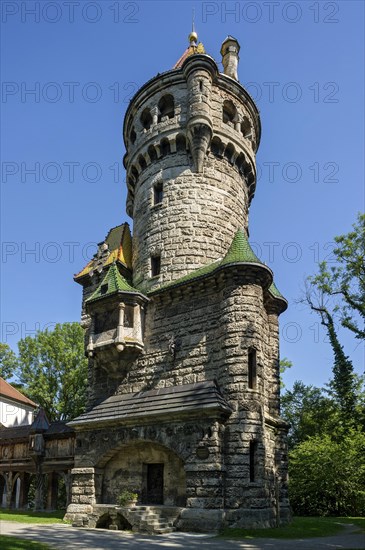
[[246, 129], [146, 119], [133, 136], [229, 112], [166, 107]]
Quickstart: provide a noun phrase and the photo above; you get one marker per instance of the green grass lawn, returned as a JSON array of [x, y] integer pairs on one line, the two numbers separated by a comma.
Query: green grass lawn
[[301, 527], [13, 543], [32, 517]]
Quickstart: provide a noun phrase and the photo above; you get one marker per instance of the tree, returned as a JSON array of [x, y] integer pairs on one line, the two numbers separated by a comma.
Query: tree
[[8, 361], [327, 477], [53, 370], [339, 290], [345, 281], [309, 412]]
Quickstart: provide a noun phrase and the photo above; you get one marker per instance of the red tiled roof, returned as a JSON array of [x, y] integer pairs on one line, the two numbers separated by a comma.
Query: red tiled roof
[[8, 391]]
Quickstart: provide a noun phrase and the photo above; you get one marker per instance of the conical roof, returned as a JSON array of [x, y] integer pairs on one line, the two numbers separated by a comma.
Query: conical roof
[[112, 283]]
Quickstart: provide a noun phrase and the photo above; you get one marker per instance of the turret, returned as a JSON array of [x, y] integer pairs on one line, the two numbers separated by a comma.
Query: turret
[[191, 135]]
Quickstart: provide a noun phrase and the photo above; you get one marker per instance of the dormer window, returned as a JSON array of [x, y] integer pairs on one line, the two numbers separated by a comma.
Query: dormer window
[[103, 289]]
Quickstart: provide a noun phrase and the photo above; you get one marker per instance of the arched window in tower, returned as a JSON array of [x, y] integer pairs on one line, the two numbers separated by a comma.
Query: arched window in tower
[[142, 162], [133, 136], [252, 375], [180, 143], [229, 112], [240, 163], [229, 152], [165, 147], [217, 147], [146, 119], [166, 107], [246, 128], [152, 153]]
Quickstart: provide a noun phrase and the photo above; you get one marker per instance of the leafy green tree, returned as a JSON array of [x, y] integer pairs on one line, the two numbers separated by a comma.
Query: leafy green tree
[[8, 361], [309, 412], [339, 290], [327, 477], [53, 370], [344, 282]]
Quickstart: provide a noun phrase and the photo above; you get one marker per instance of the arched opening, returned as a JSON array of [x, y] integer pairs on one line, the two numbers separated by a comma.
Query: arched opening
[[246, 128], [152, 153], [229, 112], [166, 107], [229, 153], [142, 162], [134, 173], [146, 119], [217, 147], [181, 143], [165, 147], [153, 471], [15, 493], [240, 163], [133, 136]]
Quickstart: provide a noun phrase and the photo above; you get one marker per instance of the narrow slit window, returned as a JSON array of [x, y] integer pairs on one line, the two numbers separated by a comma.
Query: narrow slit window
[[253, 459], [158, 193], [252, 369], [155, 265]]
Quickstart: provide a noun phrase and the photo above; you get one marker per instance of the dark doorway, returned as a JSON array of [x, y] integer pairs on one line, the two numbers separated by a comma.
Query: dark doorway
[[153, 483]]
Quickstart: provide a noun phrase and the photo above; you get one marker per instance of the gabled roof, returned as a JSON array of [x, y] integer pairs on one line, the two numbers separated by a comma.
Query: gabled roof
[[8, 391], [189, 399], [117, 247], [112, 283]]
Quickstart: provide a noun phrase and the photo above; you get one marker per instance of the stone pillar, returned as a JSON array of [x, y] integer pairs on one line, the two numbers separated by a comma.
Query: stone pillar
[[82, 496]]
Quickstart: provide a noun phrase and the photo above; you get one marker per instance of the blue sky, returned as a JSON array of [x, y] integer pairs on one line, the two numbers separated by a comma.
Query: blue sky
[[62, 182]]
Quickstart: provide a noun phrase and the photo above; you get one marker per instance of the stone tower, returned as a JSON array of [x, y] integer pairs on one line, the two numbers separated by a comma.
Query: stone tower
[[182, 320]]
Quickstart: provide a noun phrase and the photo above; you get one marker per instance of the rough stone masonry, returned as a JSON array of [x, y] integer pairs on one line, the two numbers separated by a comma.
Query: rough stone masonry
[[181, 321]]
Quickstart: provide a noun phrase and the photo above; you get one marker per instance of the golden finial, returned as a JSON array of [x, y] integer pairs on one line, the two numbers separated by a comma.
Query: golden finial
[[193, 36]]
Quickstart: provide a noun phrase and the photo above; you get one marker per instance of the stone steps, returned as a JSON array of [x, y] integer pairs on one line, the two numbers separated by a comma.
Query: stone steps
[[151, 520]]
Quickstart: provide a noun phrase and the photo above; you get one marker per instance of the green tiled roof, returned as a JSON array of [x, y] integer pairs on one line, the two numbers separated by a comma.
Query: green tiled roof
[[240, 251], [112, 283], [275, 291]]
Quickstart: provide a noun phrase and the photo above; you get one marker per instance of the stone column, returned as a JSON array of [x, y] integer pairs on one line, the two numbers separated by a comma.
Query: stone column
[[82, 496]]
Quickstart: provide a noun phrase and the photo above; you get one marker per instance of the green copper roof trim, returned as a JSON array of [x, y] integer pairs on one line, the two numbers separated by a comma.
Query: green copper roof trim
[[273, 289], [112, 283]]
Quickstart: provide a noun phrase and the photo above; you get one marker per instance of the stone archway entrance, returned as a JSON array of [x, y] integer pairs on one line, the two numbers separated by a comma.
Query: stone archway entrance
[[152, 470]]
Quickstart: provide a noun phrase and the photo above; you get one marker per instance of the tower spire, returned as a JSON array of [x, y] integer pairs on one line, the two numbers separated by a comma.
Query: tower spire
[[193, 36]]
